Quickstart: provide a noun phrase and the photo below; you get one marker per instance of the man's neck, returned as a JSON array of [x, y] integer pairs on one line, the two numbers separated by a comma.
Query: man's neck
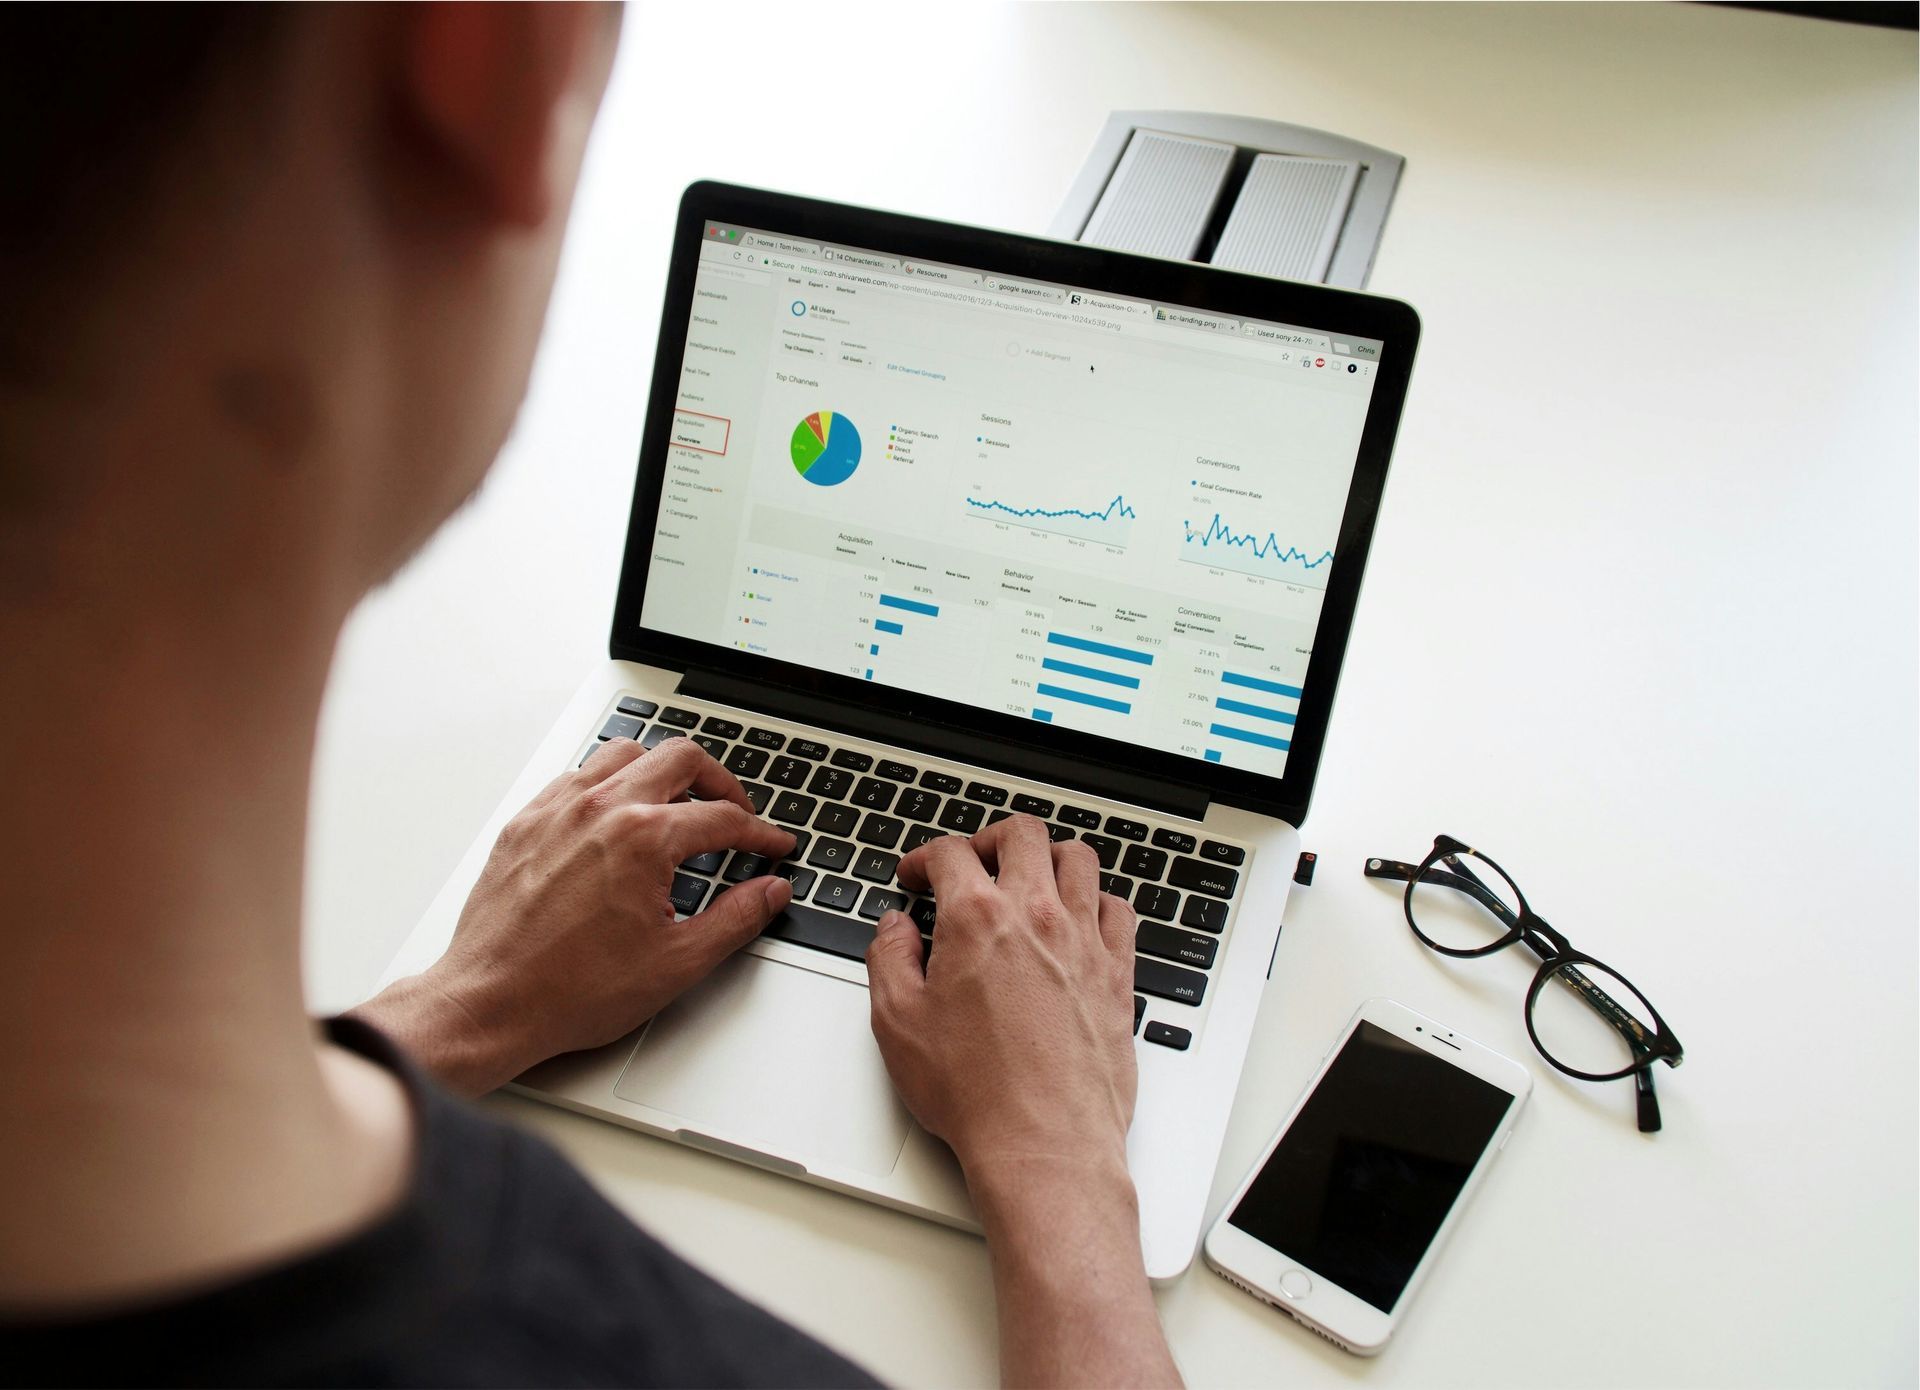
[[170, 1116]]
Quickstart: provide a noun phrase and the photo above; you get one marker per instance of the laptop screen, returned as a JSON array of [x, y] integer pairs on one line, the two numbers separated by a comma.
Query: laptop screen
[[1106, 514]]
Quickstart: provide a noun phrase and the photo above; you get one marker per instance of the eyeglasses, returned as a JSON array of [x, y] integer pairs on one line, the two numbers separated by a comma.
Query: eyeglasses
[[1584, 1017]]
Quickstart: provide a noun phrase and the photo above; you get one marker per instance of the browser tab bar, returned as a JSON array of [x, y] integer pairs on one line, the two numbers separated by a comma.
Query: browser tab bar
[[1293, 337]]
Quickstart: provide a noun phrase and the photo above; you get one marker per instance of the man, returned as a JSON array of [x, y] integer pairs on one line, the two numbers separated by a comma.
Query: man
[[270, 285]]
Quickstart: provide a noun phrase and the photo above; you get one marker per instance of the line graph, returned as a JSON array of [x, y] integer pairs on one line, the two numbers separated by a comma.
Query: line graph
[[1109, 525], [1219, 546]]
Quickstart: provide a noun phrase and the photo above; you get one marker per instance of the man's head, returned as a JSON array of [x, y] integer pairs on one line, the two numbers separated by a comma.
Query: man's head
[[270, 283]]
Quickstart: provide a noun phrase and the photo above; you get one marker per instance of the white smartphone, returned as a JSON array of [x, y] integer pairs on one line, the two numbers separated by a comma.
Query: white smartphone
[[1341, 1218]]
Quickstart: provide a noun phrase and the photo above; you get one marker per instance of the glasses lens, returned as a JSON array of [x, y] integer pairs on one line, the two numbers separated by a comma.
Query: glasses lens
[[1463, 903], [1588, 1019]]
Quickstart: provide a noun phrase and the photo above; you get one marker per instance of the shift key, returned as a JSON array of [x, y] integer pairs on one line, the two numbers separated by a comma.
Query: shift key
[[1169, 981]]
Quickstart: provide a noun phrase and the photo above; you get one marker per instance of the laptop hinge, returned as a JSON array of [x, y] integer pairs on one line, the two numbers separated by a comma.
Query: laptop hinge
[[961, 745]]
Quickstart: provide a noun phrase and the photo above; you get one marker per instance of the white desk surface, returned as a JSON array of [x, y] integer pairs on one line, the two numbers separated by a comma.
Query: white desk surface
[[1641, 619]]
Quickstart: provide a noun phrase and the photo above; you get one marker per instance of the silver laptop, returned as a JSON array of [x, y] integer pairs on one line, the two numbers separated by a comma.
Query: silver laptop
[[935, 525]]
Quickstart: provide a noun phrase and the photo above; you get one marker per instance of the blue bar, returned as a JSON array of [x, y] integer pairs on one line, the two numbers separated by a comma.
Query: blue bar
[[1060, 692], [912, 605], [1083, 644], [1292, 692], [1213, 755], [1068, 668], [1257, 711], [882, 625], [869, 673], [1264, 740], [873, 649], [1045, 716]]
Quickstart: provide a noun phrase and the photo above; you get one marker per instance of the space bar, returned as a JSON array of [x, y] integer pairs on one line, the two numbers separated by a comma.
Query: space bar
[[824, 931]]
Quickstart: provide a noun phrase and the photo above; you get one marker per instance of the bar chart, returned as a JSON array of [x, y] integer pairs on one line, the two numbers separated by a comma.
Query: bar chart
[[896, 614], [1079, 674], [1256, 710]]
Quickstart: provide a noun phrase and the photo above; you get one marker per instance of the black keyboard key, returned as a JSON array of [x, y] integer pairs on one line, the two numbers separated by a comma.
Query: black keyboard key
[[1168, 1036], [791, 808], [855, 762], [704, 863], [1057, 833], [1142, 862], [1166, 981], [841, 893], [836, 820], [986, 795], [872, 794], [875, 865], [880, 901], [659, 734], [917, 805], [919, 835], [638, 708], [1202, 877], [940, 782], [591, 750], [1222, 854], [824, 931], [716, 748], [1151, 900], [995, 817], [720, 728], [787, 772], [810, 749], [800, 838], [745, 866], [758, 795], [922, 913], [1139, 1008], [1108, 850], [830, 781], [799, 875], [746, 762], [679, 718], [687, 893], [835, 856], [884, 831], [766, 738], [961, 817], [1170, 943], [1126, 829], [894, 771], [1079, 817], [1204, 914], [1032, 805], [1177, 841], [623, 726], [1121, 888]]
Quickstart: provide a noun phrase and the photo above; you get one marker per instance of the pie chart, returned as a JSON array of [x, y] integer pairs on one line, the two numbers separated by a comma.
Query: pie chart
[[826, 448]]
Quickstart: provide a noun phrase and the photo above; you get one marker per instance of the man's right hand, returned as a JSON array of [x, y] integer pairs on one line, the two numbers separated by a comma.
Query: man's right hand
[[1015, 1040]]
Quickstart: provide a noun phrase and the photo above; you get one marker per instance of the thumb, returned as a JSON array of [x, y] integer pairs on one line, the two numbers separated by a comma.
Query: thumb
[[896, 975], [740, 914]]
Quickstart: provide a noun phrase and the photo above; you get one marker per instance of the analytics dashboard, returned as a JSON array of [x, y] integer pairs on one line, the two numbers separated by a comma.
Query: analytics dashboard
[[1106, 514]]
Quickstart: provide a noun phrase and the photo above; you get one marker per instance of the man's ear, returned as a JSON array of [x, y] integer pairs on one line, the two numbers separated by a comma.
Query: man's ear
[[483, 85]]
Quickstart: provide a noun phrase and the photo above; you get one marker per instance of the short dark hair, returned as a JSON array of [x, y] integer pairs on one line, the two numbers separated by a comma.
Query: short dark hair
[[90, 98]]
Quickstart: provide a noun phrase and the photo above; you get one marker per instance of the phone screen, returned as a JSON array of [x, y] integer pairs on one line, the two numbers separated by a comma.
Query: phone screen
[[1372, 1164]]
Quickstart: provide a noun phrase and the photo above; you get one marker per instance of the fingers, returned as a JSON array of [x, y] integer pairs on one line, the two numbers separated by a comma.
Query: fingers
[[1017, 852], [1076, 869], [896, 972], [738, 915], [675, 767], [1117, 924], [694, 827], [945, 865]]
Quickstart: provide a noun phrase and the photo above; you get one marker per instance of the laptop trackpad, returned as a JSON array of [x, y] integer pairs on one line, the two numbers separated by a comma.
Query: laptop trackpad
[[775, 1057]]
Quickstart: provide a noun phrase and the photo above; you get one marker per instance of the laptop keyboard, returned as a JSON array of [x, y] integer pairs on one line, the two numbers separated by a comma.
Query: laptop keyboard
[[854, 814]]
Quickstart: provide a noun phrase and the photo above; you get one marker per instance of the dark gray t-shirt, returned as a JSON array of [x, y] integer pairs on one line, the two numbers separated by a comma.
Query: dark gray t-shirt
[[501, 1267]]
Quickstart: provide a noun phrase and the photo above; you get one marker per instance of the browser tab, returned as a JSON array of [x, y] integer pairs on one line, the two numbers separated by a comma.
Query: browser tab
[[760, 241], [942, 274], [1357, 347], [1293, 337], [1192, 318], [866, 259], [1080, 299], [1027, 289]]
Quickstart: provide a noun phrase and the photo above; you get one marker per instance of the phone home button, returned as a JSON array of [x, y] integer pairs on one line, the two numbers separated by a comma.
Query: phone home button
[[1295, 1284]]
